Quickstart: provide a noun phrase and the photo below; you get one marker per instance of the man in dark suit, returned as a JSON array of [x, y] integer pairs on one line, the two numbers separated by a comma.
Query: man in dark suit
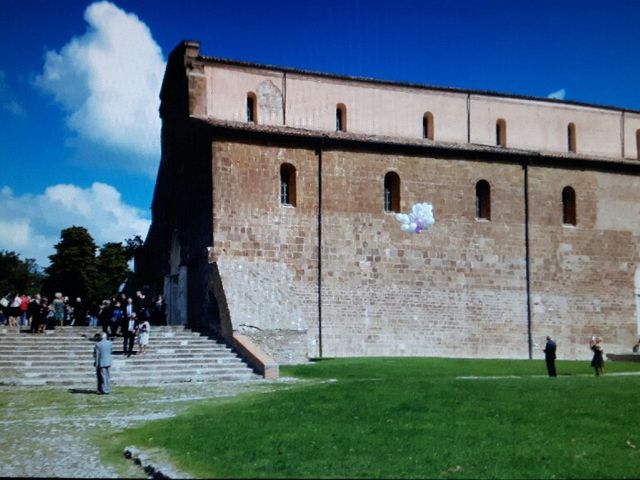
[[129, 327], [33, 311], [550, 357], [102, 362]]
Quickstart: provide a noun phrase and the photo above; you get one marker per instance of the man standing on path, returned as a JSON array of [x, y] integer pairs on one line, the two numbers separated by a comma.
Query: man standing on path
[[550, 357], [102, 362]]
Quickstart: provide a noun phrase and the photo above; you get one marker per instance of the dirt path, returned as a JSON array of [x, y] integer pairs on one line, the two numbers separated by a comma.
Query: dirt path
[[46, 432]]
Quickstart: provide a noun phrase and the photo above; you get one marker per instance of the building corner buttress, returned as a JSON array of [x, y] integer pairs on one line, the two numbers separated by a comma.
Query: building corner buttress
[[197, 80]]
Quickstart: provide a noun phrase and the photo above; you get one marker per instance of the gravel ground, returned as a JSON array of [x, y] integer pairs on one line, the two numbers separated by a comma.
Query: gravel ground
[[42, 438]]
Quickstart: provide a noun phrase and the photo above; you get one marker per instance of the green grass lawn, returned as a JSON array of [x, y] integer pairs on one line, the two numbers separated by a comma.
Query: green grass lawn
[[414, 418]]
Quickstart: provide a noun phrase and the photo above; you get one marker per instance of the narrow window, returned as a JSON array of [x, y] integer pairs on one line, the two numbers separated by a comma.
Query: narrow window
[[571, 137], [568, 206], [391, 192], [251, 108], [341, 118], [427, 126], [501, 133], [483, 200], [638, 143], [287, 184]]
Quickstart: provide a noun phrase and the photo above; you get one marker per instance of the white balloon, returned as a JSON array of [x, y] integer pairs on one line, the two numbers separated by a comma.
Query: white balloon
[[420, 218], [402, 217]]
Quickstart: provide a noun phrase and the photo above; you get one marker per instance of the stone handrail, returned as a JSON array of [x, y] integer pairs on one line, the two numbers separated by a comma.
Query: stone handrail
[[255, 357]]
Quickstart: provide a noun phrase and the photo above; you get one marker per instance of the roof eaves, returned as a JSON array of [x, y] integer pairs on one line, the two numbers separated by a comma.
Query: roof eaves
[[396, 142]]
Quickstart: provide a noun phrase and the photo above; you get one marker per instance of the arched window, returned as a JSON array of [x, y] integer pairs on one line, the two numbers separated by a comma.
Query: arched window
[[341, 118], [638, 143], [288, 184], [252, 108], [483, 200], [427, 126], [571, 137], [568, 206], [501, 133], [391, 192]]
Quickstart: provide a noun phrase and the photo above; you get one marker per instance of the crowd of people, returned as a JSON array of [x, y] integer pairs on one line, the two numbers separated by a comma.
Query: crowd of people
[[113, 315]]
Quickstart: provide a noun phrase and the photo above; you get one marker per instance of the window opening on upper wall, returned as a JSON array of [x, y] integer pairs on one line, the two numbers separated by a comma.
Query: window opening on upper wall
[[501, 133], [391, 192], [427, 126], [571, 137], [483, 200], [569, 206], [341, 118], [288, 185], [252, 108]]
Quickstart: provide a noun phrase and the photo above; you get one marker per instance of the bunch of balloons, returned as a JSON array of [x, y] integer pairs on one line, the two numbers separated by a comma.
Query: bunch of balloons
[[420, 218]]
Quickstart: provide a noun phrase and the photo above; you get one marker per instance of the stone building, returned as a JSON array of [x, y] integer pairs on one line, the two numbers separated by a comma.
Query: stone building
[[274, 215]]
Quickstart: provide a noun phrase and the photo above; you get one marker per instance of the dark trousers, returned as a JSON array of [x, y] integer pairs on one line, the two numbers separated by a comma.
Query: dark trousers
[[113, 328], [551, 367], [129, 338], [104, 385]]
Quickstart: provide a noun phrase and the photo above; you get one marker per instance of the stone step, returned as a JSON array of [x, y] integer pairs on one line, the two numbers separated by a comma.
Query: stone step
[[149, 361], [92, 333], [155, 363], [79, 352], [68, 332], [79, 346], [90, 382], [158, 348], [124, 371], [117, 341], [91, 336], [83, 355], [65, 357], [122, 374]]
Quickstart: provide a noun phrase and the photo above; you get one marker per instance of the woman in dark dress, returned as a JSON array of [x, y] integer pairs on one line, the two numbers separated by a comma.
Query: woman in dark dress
[[158, 311], [597, 362]]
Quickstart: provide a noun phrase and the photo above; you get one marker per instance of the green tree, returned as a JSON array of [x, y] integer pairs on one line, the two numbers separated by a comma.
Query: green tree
[[73, 267], [133, 246], [17, 275], [113, 268]]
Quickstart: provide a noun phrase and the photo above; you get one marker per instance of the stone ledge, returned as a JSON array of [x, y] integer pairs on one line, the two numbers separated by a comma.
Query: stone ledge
[[624, 357], [254, 356], [153, 467]]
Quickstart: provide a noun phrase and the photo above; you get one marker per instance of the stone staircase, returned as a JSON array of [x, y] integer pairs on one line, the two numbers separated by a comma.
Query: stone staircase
[[65, 357]]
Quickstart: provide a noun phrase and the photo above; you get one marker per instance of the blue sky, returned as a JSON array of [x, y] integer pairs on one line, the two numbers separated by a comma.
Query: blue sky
[[75, 74]]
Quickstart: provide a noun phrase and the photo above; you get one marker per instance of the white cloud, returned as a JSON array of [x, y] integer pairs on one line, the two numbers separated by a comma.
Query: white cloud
[[30, 224], [558, 94], [108, 80]]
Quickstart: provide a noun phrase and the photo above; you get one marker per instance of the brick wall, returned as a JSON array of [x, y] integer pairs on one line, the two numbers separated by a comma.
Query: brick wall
[[267, 253], [458, 289], [583, 277]]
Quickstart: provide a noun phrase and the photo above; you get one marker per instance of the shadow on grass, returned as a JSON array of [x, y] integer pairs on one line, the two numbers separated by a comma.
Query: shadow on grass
[[85, 391]]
